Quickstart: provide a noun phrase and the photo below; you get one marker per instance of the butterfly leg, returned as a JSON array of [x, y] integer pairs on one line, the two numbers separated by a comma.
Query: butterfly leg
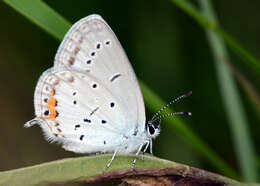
[[151, 147], [134, 161], [109, 163], [146, 147], [33, 122]]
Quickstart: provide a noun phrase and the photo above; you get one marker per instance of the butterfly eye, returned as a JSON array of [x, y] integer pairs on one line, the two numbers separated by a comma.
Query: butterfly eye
[[151, 130]]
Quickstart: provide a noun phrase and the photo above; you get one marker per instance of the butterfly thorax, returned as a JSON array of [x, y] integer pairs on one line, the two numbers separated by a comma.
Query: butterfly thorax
[[133, 141]]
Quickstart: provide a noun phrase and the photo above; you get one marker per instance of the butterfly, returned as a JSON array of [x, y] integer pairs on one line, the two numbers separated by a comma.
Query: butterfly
[[90, 100]]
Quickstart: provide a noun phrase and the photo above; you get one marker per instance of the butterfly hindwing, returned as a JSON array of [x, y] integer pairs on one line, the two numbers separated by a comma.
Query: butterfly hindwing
[[76, 108]]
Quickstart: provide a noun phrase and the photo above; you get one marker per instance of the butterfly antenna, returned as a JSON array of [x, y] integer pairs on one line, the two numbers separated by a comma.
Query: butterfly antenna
[[171, 102], [172, 114]]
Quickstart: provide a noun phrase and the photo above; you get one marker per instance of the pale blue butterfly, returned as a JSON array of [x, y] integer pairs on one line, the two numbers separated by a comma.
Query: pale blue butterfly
[[90, 101]]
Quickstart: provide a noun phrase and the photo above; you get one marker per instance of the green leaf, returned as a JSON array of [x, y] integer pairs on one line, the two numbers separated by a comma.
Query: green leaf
[[43, 15], [90, 168], [237, 118]]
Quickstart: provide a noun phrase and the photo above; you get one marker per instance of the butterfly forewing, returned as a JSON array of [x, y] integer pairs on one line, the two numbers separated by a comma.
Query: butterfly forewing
[[91, 47]]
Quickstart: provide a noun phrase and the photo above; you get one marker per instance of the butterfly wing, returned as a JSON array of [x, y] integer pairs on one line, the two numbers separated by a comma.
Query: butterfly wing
[[91, 46], [74, 109], [91, 95]]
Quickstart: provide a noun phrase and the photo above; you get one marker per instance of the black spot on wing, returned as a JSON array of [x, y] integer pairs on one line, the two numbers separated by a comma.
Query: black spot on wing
[[93, 111], [81, 137], [88, 61], [87, 120], [115, 77], [98, 46], [94, 85], [112, 104], [76, 126], [93, 54], [46, 113], [108, 42]]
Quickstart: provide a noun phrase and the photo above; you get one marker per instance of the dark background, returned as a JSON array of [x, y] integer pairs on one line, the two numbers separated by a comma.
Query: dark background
[[168, 51]]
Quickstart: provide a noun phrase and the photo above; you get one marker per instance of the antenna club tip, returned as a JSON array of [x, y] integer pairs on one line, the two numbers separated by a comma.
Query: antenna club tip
[[188, 94], [189, 113]]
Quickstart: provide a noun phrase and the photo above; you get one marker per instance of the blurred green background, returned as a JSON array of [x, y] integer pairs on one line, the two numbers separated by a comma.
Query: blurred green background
[[168, 50]]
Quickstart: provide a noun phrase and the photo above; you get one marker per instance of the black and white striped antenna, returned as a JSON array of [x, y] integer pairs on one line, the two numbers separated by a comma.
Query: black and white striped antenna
[[156, 116], [171, 114]]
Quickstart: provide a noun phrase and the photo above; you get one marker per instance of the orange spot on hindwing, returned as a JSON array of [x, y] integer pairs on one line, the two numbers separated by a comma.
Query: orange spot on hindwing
[[51, 94], [53, 112], [52, 102]]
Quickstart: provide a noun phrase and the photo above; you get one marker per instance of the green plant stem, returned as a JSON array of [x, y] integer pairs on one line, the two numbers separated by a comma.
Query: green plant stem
[[248, 58], [249, 90], [237, 119]]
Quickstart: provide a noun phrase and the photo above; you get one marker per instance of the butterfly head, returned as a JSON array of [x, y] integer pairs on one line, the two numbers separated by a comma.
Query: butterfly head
[[153, 128]]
